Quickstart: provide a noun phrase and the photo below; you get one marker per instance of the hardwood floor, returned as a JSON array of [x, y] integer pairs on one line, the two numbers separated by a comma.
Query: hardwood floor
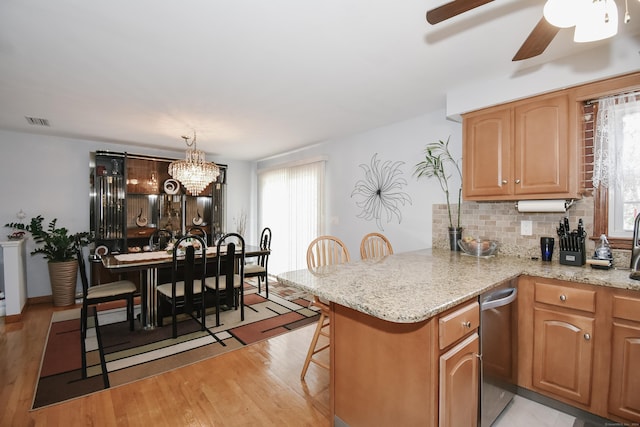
[[256, 385]]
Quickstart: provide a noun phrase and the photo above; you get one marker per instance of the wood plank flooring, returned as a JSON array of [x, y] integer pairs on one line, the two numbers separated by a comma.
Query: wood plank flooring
[[256, 385]]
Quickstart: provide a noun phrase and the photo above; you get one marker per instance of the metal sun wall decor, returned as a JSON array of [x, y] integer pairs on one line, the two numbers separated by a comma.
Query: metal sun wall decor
[[380, 191]]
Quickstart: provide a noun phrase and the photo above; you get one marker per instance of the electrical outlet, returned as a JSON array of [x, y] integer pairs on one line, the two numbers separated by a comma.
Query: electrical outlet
[[526, 228]]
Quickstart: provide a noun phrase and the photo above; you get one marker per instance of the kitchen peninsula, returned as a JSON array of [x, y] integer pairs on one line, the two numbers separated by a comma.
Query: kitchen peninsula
[[390, 319]]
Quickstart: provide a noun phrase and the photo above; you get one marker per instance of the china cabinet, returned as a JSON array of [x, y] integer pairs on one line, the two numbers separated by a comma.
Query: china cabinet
[[133, 195]]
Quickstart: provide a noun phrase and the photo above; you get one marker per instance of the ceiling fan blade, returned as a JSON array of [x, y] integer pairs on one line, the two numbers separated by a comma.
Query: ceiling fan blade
[[538, 40], [451, 9]]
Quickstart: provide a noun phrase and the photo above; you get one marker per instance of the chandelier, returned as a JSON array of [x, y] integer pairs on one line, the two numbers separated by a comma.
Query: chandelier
[[195, 173], [594, 19]]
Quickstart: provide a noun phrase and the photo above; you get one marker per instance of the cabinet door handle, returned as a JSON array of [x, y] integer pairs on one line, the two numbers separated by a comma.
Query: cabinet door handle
[[504, 181], [587, 336], [563, 297], [517, 181], [466, 324]]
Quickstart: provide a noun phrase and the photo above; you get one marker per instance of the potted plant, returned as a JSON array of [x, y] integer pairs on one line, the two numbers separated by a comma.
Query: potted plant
[[440, 164], [59, 250]]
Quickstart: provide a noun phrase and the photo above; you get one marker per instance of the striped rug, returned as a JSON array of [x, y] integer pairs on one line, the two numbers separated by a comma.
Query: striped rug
[[117, 356]]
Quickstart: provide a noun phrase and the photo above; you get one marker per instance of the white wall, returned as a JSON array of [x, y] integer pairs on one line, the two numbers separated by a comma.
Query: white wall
[[617, 56], [50, 176], [403, 141]]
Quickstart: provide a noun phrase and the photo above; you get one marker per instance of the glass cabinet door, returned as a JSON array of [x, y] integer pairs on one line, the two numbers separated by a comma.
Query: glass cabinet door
[[108, 209]]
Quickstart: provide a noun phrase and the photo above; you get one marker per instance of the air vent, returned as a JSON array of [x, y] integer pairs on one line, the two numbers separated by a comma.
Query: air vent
[[37, 121]]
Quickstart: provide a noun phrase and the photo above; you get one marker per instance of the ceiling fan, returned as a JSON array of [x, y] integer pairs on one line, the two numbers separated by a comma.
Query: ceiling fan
[[544, 32]]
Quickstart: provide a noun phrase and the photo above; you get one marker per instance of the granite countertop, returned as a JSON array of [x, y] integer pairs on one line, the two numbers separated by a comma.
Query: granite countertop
[[414, 286]]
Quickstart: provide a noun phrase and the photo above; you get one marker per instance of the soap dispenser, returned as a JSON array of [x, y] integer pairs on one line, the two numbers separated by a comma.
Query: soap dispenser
[[603, 249]]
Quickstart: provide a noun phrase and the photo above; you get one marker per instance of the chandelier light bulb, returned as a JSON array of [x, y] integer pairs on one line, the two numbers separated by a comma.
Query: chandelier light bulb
[[195, 173]]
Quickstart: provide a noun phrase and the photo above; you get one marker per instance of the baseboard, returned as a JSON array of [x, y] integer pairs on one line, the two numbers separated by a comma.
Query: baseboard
[[40, 300], [13, 318]]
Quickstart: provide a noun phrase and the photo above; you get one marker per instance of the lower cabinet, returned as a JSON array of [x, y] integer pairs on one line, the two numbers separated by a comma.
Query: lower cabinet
[[405, 374], [624, 386], [563, 354], [459, 366], [580, 344], [459, 384]]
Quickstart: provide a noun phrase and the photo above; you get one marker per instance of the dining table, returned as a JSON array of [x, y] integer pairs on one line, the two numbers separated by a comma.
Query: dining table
[[148, 264]]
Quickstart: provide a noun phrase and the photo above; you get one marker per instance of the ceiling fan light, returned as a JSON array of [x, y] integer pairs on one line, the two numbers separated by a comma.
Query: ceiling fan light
[[598, 22], [561, 13]]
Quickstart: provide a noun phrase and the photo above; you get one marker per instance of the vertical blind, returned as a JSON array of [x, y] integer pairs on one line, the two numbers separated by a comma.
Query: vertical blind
[[291, 203]]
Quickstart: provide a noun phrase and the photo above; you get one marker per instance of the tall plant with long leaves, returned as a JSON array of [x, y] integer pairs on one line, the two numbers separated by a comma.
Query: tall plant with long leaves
[[439, 163], [59, 244]]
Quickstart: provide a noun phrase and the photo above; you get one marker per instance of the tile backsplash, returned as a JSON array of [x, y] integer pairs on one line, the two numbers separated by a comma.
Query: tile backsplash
[[501, 221]]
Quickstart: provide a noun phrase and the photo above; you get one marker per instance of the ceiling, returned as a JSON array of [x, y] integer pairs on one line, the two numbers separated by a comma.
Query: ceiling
[[254, 78]]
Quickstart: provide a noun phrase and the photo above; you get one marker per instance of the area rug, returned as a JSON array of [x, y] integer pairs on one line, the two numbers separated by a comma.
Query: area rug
[[117, 356]]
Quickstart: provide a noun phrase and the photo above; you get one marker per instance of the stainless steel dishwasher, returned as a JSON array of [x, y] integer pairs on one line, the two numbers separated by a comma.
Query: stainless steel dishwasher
[[498, 344]]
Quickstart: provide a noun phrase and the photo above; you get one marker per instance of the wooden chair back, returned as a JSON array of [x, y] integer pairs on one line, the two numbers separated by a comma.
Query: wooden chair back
[[375, 245], [327, 250]]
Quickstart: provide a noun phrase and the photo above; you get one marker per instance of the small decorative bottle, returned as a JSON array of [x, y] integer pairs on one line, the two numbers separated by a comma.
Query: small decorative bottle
[[603, 250]]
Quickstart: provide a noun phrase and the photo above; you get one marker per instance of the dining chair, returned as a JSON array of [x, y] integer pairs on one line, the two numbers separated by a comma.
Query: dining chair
[[97, 294], [160, 239], [229, 275], [259, 268], [323, 251], [198, 231], [188, 261], [375, 245]]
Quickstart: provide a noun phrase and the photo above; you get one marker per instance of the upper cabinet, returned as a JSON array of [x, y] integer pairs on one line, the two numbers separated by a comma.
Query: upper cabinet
[[522, 150]]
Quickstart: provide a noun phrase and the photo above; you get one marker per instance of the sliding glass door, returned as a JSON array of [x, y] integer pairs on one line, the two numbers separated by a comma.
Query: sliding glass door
[[291, 203]]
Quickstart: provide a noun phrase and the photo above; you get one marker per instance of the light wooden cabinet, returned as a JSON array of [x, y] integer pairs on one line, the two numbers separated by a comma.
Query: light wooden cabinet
[[459, 384], [459, 370], [521, 150], [561, 350], [383, 373], [486, 157], [563, 354], [410, 374], [624, 387], [580, 344]]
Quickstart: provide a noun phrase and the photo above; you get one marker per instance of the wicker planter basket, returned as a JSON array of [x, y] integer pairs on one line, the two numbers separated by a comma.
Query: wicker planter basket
[[63, 277]]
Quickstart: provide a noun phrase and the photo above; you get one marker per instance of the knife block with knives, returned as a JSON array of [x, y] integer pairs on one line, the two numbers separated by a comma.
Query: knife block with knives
[[572, 243]]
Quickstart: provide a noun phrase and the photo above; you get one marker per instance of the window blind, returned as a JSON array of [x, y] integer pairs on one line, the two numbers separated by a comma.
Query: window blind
[[291, 203]]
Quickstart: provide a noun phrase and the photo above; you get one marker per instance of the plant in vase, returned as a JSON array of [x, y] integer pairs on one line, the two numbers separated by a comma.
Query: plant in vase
[[440, 164], [59, 250]]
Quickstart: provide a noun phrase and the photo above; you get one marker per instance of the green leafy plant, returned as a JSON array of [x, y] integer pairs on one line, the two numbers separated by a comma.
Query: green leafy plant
[[59, 244], [440, 164]]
